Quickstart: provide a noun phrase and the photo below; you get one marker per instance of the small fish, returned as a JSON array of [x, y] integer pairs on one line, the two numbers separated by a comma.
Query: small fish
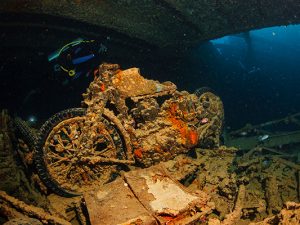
[[244, 133], [32, 119], [204, 120], [263, 137]]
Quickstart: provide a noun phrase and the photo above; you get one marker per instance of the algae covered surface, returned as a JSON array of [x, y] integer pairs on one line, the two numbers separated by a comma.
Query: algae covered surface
[[257, 186]]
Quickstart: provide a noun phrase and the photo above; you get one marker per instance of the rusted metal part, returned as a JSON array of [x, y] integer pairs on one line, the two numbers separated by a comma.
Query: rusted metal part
[[151, 196], [30, 210], [9, 171], [9, 212], [177, 127], [235, 215], [298, 177], [263, 135], [290, 214], [130, 83], [25, 131], [174, 127], [287, 138], [64, 155], [272, 195], [166, 198], [163, 93], [97, 159], [59, 157], [149, 131], [293, 119], [287, 162], [126, 136]]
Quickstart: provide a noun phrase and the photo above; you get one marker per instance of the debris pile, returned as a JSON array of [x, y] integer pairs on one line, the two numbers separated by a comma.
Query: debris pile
[[143, 152]]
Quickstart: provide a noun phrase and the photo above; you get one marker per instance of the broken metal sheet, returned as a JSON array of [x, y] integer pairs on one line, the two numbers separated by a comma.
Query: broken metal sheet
[[115, 204], [146, 196], [162, 195]]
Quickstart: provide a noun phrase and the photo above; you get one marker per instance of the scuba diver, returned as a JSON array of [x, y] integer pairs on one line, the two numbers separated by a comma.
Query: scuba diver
[[76, 58], [69, 69]]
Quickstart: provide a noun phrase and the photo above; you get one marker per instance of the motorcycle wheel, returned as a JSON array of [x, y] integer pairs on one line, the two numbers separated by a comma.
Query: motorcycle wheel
[[58, 157]]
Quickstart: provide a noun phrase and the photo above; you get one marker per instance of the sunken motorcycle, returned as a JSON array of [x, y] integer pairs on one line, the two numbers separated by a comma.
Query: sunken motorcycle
[[126, 120]]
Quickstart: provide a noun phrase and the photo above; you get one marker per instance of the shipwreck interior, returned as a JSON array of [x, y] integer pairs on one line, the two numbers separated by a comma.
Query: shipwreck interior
[[205, 131]]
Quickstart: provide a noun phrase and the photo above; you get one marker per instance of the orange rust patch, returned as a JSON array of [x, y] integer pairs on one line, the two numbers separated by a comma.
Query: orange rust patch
[[173, 220], [102, 88], [181, 127], [118, 71], [168, 218], [177, 123], [187, 135], [138, 153], [119, 75], [193, 137], [117, 78], [157, 148], [173, 109]]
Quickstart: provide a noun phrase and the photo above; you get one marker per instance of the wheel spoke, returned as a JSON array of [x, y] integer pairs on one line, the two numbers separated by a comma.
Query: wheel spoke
[[65, 131], [60, 161], [57, 156], [63, 146]]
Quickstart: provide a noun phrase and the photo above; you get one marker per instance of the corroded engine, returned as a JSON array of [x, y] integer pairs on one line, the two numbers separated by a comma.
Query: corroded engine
[[162, 121], [126, 120], [179, 123]]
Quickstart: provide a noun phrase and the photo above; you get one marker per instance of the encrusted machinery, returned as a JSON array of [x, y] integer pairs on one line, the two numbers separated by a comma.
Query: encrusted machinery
[[238, 188], [126, 120]]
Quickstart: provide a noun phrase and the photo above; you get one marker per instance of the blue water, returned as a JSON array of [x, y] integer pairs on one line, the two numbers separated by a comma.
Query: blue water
[[257, 73]]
